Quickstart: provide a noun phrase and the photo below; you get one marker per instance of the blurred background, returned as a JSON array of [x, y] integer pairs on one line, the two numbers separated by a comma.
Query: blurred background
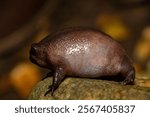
[[23, 22]]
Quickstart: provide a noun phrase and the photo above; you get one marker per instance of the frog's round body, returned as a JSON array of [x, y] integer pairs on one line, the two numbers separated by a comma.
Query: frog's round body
[[83, 52]]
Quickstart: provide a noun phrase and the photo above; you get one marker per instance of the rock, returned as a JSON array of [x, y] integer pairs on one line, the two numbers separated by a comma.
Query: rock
[[92, 89]]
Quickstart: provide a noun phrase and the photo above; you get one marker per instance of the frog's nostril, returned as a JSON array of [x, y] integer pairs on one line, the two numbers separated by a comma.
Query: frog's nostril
[[33, 50]]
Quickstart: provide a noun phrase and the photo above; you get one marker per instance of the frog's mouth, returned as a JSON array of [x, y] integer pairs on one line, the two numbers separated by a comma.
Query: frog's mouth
[[32, 59], [33, 53], [35, 56], [32, 56]]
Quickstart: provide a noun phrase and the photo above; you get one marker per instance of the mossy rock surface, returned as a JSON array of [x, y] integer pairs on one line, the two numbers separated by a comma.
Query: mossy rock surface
[[93, 89]]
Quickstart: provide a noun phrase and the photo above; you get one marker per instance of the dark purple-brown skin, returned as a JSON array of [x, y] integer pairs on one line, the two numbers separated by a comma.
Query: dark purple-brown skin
[[81, 52]]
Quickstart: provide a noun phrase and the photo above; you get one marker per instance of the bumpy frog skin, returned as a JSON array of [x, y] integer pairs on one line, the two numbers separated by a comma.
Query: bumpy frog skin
[[81, 52]]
